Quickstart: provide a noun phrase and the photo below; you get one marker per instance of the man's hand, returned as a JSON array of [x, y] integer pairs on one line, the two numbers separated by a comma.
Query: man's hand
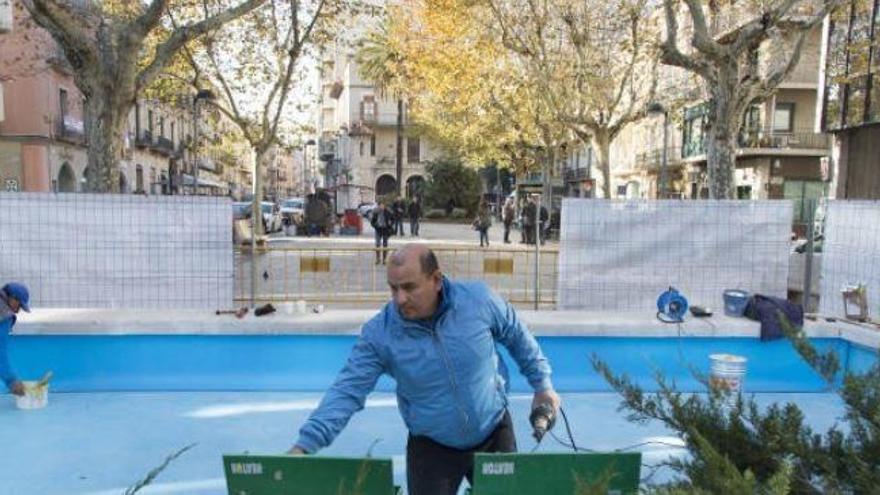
[[547, 397], [296, 451], [17, 388]]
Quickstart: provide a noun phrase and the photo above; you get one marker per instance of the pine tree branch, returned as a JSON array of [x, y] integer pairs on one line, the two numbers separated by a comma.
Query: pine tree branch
[[156, 471]]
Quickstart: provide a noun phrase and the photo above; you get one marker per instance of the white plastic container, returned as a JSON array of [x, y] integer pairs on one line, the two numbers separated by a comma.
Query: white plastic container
[[35, 397], [728, 371], [288, 307]]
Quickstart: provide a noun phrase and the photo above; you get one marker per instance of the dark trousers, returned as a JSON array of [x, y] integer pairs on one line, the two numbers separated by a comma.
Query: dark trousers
[[399, 227], [484, 236], [435, 469], [381, 242], [414, 226], [529, 231], [507, 231]]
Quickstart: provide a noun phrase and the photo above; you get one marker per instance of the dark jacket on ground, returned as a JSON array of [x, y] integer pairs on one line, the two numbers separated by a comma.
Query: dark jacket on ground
[[766, 309]]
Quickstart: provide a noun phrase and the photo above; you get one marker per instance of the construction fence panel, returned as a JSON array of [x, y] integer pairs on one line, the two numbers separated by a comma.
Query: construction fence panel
[[118, 251], [850, 254], [621, 254]]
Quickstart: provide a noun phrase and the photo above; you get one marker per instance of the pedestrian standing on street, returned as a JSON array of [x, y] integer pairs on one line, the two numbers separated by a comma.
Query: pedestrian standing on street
[[483, 222], [13, 297], [544, 218], [438, 339], [507, 214], [450, 206], [530, 213], [382, 221], [399, 214], [415, 213]]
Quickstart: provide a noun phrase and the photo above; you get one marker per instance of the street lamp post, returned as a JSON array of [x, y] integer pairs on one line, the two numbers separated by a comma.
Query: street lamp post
[[657, 108], [203, 94]]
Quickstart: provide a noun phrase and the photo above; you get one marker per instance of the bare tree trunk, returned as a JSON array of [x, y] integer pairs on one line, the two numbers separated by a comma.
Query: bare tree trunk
[[257, 206], [105, 124], [721, 148], [602, 146]]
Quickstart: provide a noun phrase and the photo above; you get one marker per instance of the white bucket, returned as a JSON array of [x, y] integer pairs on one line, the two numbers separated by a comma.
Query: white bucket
[[35, 396], [289, 308], [728, 371]]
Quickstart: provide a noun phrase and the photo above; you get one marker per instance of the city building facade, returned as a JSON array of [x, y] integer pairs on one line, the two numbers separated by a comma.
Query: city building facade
[[42, 128]]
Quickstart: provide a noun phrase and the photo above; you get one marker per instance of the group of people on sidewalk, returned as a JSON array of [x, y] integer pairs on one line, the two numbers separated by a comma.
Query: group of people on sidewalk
[[528, 216], [387, 220]]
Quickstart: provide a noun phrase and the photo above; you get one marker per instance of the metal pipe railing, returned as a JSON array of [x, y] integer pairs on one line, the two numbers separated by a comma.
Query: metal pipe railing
[[350, 275]]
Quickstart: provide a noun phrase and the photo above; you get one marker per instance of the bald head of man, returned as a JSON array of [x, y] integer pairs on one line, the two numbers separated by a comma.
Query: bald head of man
[[415, 281]]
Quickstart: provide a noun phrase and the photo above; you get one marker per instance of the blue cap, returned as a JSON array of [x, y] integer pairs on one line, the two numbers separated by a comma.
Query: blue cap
[[19, 292]]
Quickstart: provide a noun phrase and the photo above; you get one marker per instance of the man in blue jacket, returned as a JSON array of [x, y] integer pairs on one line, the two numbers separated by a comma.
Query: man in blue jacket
[[437, 339], [13, 297]]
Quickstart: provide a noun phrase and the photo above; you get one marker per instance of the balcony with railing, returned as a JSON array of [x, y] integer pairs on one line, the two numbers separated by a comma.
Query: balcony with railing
[[797, 139], [208, 164], [144, 138], [164, 146], [652, 160], [70, 130], [797, 142], [577, 174], [531, 178], [381, 119]]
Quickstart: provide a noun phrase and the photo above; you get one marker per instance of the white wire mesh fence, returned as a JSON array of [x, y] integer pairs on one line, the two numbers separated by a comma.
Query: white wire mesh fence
[[129, 251], [620, 254], [118, 251], [850, 254]]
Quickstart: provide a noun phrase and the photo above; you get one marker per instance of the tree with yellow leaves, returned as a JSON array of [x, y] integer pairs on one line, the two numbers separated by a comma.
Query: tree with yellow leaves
[[595, 63], [470, 92]]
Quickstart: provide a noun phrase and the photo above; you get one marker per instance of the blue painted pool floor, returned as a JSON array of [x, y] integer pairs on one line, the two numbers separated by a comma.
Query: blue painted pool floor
[[101, 443]]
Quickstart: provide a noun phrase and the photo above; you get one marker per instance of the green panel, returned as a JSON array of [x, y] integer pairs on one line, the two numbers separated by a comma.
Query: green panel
[[307, 475], [559, 474]]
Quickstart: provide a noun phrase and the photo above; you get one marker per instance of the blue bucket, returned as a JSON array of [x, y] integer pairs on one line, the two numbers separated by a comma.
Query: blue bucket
[[735, 302]]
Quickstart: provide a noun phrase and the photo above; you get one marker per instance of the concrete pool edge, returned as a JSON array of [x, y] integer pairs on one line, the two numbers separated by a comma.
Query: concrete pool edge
[[348, 322]]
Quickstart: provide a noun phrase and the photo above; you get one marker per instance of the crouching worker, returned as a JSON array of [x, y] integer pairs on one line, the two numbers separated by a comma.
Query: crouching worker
[[436, 338], [13, 297]]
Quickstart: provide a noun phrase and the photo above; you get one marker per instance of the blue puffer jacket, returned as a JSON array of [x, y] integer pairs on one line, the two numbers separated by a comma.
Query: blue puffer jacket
[[6, 373], [451, 382]]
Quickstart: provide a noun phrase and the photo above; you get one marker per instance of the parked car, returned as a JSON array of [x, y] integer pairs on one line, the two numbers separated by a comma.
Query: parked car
[[292, 210], [271, 215]]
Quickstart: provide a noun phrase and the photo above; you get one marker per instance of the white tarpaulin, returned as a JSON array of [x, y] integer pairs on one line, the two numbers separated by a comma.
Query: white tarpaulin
[[118, 251], [621, 254]]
